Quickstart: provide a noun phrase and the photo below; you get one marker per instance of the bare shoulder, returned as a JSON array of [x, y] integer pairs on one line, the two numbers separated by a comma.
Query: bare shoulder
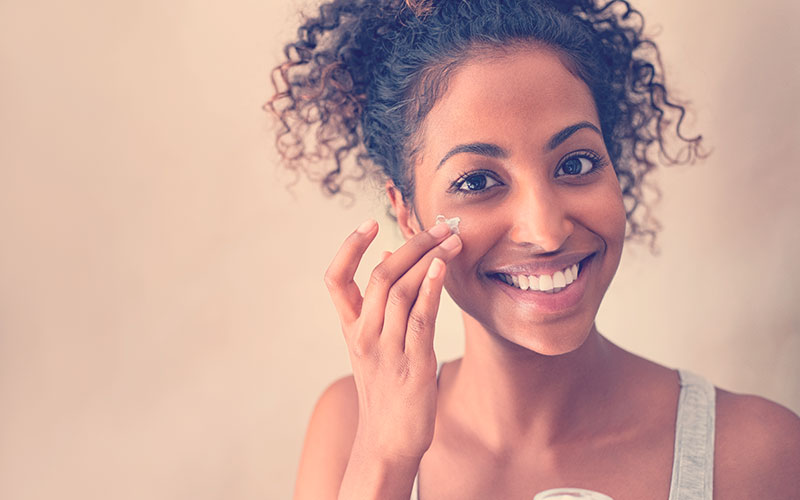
[[328, 442], [757, 451]]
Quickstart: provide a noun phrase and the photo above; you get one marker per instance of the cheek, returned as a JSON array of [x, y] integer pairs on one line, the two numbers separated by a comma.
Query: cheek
[[615, 213], [602, 210], [608, 221], [479, 233]]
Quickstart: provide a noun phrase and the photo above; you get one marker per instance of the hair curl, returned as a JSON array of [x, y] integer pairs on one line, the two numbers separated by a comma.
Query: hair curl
[[362, 75]]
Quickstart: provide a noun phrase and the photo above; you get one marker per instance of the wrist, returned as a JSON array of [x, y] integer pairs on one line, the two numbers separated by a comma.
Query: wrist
[[373, 473], [384, 458]]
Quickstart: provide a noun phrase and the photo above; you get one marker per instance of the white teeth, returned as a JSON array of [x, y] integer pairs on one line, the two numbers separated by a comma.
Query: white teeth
[[545, 283]]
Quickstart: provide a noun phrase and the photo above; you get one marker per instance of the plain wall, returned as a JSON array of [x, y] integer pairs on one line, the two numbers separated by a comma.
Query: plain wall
[[164, 328]]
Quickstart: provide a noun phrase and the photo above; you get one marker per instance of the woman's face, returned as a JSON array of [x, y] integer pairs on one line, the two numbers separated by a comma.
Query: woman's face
[[514, 148]]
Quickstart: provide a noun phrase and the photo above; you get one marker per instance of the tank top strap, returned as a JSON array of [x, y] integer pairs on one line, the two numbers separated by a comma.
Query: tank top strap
[[693, 461], [415, 488]]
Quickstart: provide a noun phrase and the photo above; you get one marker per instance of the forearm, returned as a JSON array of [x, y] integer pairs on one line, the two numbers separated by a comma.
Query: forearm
[[368, 477]]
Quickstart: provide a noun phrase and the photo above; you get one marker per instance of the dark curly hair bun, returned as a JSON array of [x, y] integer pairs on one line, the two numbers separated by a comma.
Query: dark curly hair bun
[[362, 75]]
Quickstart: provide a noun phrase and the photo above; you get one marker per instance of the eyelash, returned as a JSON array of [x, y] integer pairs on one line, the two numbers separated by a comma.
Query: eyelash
[[455, 188], [598, 163]]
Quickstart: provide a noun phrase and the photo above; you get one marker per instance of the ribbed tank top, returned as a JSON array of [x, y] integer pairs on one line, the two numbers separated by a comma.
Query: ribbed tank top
[[693, 459]]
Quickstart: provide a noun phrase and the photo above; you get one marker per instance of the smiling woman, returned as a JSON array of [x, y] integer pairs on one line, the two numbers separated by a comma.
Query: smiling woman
[[535, 123], [529, 213]]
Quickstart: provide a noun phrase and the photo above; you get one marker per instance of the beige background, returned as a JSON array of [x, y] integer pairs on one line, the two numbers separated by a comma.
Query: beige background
[[164, 330]]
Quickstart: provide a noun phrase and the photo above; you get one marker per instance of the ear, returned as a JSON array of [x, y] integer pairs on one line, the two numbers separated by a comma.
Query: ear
[[406, 218]]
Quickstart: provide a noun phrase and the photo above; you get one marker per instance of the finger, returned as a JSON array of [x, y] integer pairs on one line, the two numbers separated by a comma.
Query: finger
[[339, 276], [385, 255], [405, 293], [396, 265], [422, 318]]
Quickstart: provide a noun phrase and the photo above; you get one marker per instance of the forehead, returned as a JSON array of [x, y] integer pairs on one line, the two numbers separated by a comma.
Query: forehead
[[519, 97]]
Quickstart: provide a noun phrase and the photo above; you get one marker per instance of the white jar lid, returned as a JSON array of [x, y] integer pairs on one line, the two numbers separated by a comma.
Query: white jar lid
[[570, 494]]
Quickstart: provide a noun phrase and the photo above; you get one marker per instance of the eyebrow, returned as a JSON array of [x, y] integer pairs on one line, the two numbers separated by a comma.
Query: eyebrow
[[495, 151], [562, 136]]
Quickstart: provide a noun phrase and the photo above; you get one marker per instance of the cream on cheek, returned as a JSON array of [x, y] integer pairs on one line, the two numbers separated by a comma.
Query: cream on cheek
[[452, 222], [475, 229]]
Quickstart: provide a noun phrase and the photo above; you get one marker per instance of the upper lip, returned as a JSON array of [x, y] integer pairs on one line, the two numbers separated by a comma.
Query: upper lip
[[542, 265]]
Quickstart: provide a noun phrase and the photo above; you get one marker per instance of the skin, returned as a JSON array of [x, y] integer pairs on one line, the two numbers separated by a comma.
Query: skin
[[540, 399]]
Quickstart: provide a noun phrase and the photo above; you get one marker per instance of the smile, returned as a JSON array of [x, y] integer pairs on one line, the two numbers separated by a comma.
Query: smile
[[545, 283]]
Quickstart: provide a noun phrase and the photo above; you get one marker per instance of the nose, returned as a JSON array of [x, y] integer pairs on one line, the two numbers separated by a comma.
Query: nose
[[540, 218]]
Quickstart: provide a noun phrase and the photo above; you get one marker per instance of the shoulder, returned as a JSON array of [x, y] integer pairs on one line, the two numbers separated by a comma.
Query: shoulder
[[329, 441], [339, 402], [757, 450]]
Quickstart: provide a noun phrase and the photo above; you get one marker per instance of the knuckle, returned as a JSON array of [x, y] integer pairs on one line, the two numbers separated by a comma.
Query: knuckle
[[403, 369], [331, 280], [423, 245], [360, 347], [418, 324], [428, 367], [380, 275], [399, 296]]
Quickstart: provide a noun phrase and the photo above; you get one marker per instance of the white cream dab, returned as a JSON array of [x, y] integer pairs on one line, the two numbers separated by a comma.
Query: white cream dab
[[453, 223]]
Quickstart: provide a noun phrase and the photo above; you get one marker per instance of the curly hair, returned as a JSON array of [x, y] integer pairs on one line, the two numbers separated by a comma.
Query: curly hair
[[359, 80]]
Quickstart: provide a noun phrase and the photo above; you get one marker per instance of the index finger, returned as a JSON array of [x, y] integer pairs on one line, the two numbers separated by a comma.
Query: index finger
[[398, 264], [339, 276]]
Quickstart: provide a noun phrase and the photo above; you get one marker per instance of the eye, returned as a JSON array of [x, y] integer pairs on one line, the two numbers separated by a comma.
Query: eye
[[577, 165], [474, 182]]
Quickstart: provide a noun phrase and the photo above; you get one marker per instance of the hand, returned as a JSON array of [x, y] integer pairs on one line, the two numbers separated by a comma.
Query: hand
[[389, 334]]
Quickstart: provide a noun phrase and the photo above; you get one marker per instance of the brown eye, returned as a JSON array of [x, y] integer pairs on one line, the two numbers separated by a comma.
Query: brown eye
[[475, 182], [577, 165]]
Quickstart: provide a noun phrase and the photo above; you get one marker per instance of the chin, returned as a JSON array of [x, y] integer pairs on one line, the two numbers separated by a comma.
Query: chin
[[552, 337], [549, 340]]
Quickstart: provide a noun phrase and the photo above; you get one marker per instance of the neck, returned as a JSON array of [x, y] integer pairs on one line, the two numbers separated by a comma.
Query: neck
[[507, 394]]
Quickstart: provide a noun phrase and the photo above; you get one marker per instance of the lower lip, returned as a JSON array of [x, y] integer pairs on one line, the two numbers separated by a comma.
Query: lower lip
[[551, 303]]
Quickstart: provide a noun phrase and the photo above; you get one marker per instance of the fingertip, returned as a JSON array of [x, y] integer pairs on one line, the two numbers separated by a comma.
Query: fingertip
[[453, 242], [367, 226], [436, 268]]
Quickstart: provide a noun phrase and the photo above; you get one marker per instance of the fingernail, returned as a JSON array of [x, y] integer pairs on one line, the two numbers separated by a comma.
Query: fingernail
[[436, 268], [439, 230], [366, 226], [450, 243]]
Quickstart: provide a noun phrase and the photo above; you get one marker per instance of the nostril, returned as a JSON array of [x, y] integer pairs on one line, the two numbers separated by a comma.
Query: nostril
[[545, 235], [541, 242]]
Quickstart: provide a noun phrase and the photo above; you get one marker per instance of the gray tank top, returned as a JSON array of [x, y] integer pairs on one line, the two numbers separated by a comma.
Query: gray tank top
[[693, 459]]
